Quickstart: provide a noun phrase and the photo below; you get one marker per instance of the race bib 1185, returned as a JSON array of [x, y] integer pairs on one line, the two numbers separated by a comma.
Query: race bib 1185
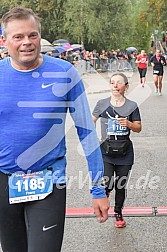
[[25, 187]]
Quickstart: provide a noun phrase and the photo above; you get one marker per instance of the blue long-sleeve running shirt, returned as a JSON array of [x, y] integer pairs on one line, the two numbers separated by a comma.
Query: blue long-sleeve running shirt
[[33, 109]]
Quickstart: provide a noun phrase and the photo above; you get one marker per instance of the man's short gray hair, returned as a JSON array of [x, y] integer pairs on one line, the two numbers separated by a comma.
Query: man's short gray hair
[[18, 13]]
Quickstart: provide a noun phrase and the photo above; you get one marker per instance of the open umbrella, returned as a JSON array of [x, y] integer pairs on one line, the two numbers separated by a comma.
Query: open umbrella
[[58, 50], [47, 48], [60, 41], [45, 42], [131, 49], [66, 46], [76, 46]]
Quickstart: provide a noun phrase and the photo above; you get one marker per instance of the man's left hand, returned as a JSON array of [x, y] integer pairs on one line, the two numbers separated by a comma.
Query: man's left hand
[[101, 207]]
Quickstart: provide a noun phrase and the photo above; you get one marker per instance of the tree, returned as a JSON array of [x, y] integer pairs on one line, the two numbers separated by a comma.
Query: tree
[[52, 14], [53, 18], [99, 24], [157, 13]]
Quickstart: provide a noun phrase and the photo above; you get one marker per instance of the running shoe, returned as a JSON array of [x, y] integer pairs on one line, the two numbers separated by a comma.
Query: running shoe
[[160, 94], [119, 221], [156, 91]]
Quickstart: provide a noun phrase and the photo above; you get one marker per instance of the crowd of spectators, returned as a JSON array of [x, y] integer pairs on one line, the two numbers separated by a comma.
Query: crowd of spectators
[[99, 61], [102, 62]]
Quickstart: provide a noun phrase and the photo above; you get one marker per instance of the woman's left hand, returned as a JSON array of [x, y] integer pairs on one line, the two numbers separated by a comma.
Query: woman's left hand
[[123, 121], [135, 126]]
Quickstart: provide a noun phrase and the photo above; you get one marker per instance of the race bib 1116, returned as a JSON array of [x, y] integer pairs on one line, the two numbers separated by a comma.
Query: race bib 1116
[[114, 128]]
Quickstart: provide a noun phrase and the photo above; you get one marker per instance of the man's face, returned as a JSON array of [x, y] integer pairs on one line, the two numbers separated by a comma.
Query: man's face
[[23, 42]]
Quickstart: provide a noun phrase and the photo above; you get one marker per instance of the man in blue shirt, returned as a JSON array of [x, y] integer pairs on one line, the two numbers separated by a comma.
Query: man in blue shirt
[[36, 93]]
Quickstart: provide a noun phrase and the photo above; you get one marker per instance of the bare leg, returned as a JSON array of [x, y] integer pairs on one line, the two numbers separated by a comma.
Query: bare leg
[[160, 84], [144, 81], [156, 82]]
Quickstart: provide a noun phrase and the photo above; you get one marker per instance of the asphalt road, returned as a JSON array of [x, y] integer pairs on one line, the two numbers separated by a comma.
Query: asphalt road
[[147, 185]]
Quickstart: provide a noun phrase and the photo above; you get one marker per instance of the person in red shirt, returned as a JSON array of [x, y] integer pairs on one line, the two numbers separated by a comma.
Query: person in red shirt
[[142, 61]]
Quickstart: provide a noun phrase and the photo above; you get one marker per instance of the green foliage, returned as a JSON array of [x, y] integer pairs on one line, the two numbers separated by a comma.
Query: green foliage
[[100, 24], [157, 13]]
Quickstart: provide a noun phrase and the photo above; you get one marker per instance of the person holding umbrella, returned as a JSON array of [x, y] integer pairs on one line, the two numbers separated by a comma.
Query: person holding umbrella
[[131, 57], [131, 49]]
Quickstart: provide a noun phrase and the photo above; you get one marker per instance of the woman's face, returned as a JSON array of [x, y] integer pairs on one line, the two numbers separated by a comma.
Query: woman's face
[[117, 85], [158, 53]]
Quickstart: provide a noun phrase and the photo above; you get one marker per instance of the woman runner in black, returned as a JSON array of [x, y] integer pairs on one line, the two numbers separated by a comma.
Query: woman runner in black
[[158, 62], [118, 116]]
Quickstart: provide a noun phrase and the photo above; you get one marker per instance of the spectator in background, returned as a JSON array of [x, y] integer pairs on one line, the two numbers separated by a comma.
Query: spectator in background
[[4, 53], [150, 54], [49, 54], [110, 56], [104, 60], [62, 56], [166, 41], [70, 57], [163, 41]]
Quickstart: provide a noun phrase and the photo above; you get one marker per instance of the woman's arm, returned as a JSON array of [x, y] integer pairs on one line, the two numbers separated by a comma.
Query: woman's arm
[[94, 119], [135, 126]]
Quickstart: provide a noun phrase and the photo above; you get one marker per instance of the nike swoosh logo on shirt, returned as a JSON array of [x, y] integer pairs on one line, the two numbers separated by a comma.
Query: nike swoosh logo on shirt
[[48, 85], [47, 228]]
